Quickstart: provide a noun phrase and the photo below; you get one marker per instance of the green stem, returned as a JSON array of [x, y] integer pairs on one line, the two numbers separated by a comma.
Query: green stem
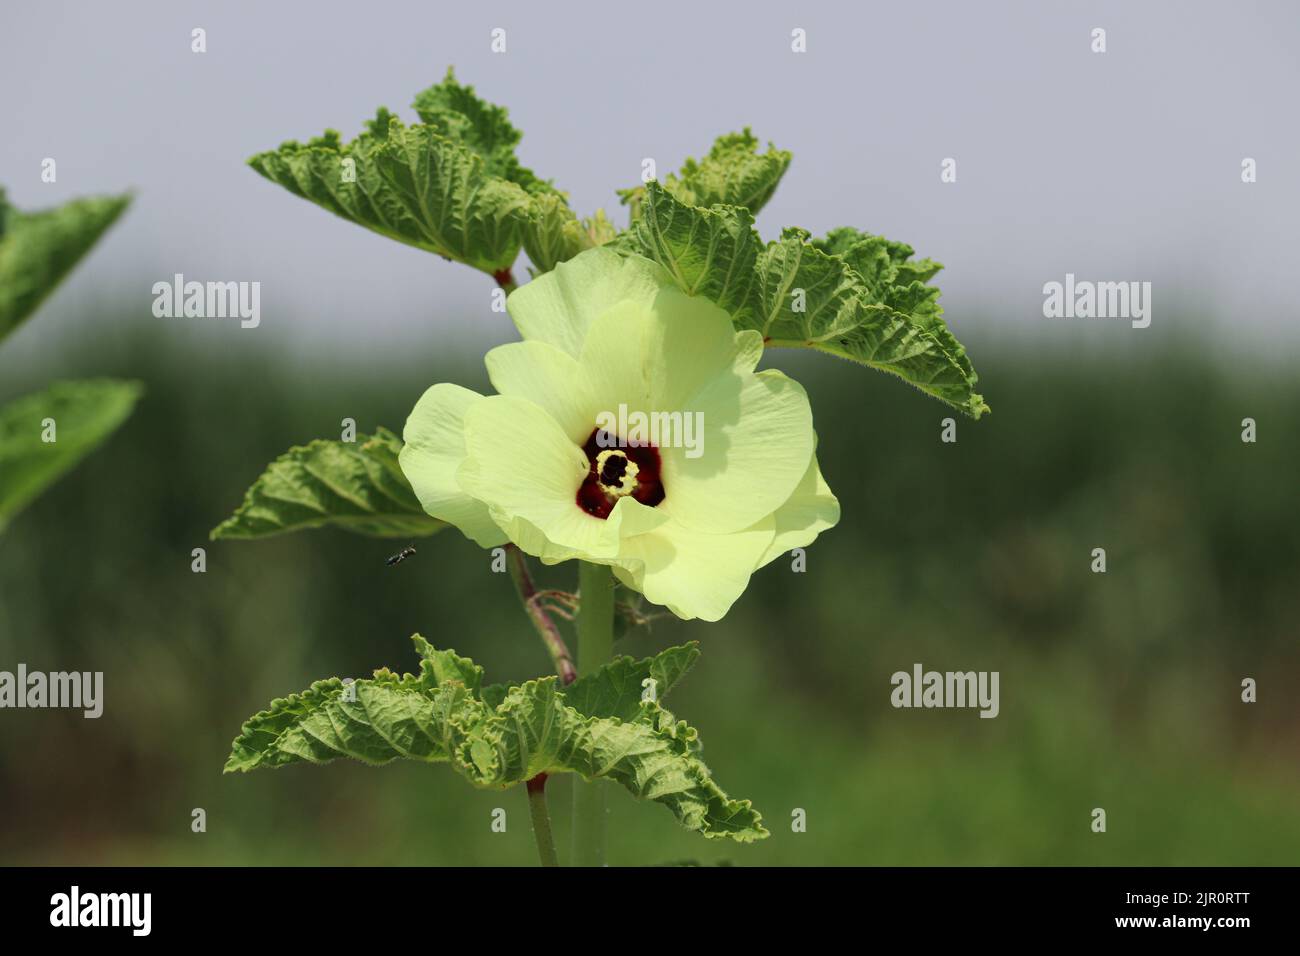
[[536, 788], [506, 280], [595, 649]]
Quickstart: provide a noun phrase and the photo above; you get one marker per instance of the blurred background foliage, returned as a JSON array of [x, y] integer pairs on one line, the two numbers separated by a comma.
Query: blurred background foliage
[[1119, 690]]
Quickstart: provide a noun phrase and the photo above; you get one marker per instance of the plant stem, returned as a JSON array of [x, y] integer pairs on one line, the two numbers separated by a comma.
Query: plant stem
[[536, 788], [546, 629], [595, 648], [506, 280]]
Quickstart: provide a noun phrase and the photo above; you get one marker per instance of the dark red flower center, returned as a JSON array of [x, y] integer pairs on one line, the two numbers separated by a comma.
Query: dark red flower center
[[616, 469]]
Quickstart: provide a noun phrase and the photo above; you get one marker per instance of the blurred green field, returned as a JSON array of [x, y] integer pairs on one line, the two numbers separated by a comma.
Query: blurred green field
[[1118, 690]]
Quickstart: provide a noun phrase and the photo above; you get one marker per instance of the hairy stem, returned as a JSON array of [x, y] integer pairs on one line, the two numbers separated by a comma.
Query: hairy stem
[[595, 648], [537, 613], [536, 788]]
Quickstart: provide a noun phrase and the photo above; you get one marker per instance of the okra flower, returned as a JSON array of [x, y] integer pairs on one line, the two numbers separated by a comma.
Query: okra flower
[[630, 429]]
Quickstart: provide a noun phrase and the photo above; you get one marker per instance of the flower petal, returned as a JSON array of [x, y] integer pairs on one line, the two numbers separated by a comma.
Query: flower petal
[[558, 307], [520, 461], [633, 518], [659, 354], [738, 442], [629, 517], [549, 378], [756, 444], [812, 509], [434, 448], [691, 573]]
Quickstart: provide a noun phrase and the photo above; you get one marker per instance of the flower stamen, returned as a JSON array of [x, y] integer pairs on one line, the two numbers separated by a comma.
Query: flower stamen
[[616, 472], [617, 469]]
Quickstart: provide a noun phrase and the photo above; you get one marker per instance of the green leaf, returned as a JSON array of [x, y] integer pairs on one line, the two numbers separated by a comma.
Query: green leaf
[[460, 210], [734, 173], [597, 729], [457, 113], [615, 690], [887, 272], [443, 666], [552, 233], [83, 415], [357, 486], [892, 279], [851, 295], [840, 317], [37, 249], [710, 252], [412, 184], [450, 185]]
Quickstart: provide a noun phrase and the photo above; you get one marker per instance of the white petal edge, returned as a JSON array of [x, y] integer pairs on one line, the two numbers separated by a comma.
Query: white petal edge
[[433, 450], [694, 575], [810, 510], [557, 308]]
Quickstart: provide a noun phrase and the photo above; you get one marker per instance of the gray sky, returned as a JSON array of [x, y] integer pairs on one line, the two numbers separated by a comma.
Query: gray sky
[[1115, 166]]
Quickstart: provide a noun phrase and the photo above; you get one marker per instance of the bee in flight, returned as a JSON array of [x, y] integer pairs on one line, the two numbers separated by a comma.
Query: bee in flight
[[400, 556]]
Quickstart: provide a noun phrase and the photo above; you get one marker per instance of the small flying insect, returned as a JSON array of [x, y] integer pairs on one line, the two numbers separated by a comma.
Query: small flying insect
[[400, 556]]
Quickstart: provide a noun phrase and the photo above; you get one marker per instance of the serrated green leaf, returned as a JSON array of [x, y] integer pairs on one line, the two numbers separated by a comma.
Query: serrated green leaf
[[439, 667], [844, 316], [357, 486], [552, 233], [37, 249], [615, 690], [457, 113], [734, 173], [892, 278], [460, 210], [412, 184], [507, 735], [710, 252], [851, 295], [83, 414], [262, 740]]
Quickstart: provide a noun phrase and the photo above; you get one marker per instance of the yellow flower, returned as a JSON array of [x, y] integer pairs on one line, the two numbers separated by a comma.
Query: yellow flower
[[630, 430]]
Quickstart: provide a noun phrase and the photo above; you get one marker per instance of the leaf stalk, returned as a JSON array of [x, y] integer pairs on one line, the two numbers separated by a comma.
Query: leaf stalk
[[542, 834]]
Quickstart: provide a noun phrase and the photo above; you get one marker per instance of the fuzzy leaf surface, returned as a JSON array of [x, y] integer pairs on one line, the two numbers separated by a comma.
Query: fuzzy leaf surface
[[497, 737], [852, 295], [734, 173], [356, 486], [450, 185]]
